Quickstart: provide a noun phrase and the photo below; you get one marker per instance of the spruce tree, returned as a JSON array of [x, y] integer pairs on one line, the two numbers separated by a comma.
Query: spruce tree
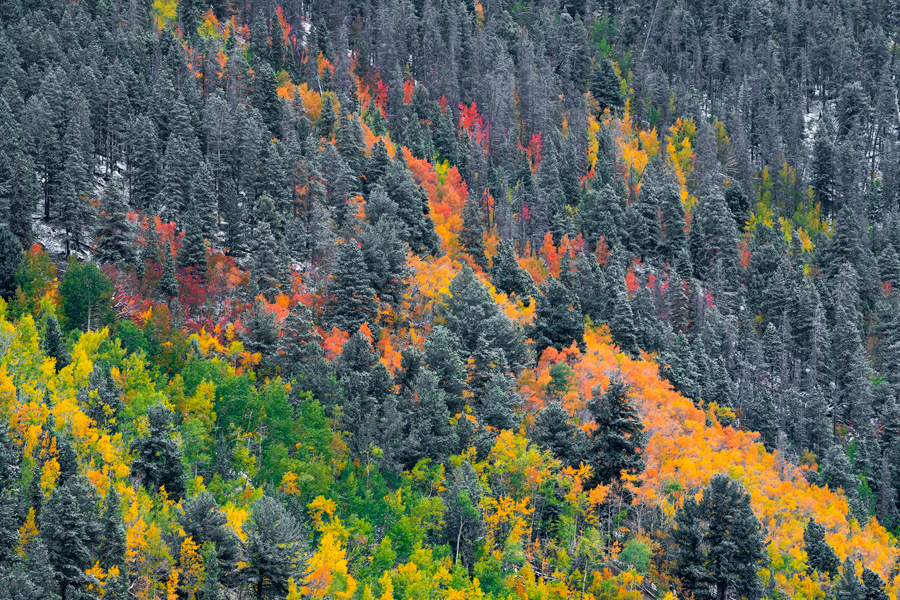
[[848, 586], [617, 441], [442, 357], [352, 299], [819, 555], [261, 333], [718, 542], [621, 324], [168, 283], [203, 520], [157, 461], [508, 277], [70, 530], [114, 237], [144, 162], [873, 585], [299, 341], [431, 435], [192, 253], [472, 234], [555, 433], [275, 550], [605, 85], [558, 320], [112, 533], [10, 260]]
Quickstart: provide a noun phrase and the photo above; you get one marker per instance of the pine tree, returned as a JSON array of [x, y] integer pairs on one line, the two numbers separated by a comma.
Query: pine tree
[[605, 85], [261, 332], [299, 341], [144, 162], [114, 238], [275, 550], [848, 586], [431, 435], [10, 260], [76, 186], [558, 320], [204, 522], [621, 324], [157, 461], [112, 533], [269, 269], [442, 357], [233, 214], [192, 253], [70, 530], [168, 283], [873, 585], [352, 299], [205, 202], [508, 277], [327, 118], [472, 234], [554, 433], [819, 555], [718, 542], [617, 441]]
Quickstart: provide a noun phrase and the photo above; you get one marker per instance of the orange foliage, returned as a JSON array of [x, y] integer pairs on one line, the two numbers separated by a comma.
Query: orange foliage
[[334, 342]]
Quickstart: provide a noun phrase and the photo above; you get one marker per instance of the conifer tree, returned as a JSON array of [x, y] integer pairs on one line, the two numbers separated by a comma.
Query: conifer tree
[[112, 533], [605, 85], [873, 585], [621, 324], [554, 433], [204, 522], [718, 542], [233, 215], [617, 441], [558, 320], [144, 162], [299, 341], [114, 235], [261, 332], [157, 461], [508, 276], [192, 253], [472, 234], [442, 357], [168, 283], [275, 550], [10, 260], [70, 530], [848, 586], [352, 299], [431, 435], [819, 555]]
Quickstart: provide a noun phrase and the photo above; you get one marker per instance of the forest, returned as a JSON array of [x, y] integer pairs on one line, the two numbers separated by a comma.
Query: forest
[[459, 299]]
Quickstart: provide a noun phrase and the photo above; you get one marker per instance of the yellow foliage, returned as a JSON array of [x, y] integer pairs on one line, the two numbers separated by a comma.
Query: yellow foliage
[[165, 13], [27, 532]]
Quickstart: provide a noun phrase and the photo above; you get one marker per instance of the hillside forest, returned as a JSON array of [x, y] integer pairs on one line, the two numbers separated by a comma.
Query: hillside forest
[[459, 299]]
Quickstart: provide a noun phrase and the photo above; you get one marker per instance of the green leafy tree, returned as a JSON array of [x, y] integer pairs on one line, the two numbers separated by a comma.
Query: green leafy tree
[[719, 542], [86, 296]]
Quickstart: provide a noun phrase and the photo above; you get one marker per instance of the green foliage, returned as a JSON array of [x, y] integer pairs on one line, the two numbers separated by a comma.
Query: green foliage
[[86, 296]]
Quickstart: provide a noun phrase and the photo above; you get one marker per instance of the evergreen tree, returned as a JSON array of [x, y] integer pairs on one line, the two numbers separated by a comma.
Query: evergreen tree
[[873, 585], [112, 533], [10, 261], [431, 435], [157, 461], [508, 277], [718, 542], [299, 341], [819, 555], [268, 268], [352, 299], [617, 441], [261, 333], [472, 234], [168, 283], [558, 320], [144, 162], [192, 253], [442, 357], [621, 324], [605, 86], [233, 214], [275, 550], [554, 433], [114, 235], [70, 530], [848, 586], [204, 522]]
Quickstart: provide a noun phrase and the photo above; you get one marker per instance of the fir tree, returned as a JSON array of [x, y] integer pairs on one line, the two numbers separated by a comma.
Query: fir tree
[[204, 522], [192, 253], [261, 332], [157, 461], [558, 321], [621, 324], [299, 341], [352, 299], [144, 162], [718, 542], [430, 433], [617, 441], [554, 433], [168, 283], [873, 585], [275, 550], [114, 235], [442, 357], [605, 85], [10, 260], [848, 586], [472, 234], [508, 276], [112, 533], [819, 555], [70, 530]]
